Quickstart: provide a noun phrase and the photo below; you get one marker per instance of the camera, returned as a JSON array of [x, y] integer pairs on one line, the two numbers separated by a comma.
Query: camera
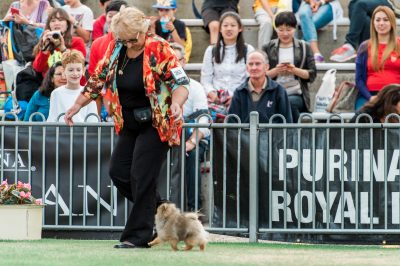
[[55, 34]]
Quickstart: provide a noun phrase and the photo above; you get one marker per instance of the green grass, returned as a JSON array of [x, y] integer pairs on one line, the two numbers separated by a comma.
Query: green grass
[[90, 252]]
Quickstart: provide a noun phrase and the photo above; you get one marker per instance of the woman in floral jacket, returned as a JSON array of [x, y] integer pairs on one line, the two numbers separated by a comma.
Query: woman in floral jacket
[[146, 107]]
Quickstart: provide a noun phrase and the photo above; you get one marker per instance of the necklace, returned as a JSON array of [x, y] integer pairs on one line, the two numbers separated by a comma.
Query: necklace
[[124, 63]]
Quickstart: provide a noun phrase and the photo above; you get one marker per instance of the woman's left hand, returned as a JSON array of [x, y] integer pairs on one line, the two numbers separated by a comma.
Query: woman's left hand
[[176, 111]]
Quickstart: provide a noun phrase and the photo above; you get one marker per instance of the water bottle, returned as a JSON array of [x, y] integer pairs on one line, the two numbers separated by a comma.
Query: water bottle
[[163, 21]]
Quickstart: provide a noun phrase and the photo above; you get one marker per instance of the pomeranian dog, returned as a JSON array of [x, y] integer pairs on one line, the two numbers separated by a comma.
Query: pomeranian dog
[[173, 226]]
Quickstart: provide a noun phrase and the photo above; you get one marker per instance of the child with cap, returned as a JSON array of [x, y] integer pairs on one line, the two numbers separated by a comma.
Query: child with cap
[[167, 26]]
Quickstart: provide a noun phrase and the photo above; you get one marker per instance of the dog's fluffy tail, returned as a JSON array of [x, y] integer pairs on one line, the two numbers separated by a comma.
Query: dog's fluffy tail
[[192, 215]]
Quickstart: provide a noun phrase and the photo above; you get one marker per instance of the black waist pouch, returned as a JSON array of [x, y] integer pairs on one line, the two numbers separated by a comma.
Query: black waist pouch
[[142, 115]]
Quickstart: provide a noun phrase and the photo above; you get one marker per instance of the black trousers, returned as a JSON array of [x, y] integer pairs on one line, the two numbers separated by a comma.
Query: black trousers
[[134, 168]]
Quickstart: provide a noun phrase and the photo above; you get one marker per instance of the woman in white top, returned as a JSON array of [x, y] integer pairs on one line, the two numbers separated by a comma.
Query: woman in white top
[[224, 64]]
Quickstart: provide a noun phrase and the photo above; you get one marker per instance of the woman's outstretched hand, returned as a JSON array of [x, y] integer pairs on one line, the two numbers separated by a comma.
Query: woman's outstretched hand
[[70, 113]]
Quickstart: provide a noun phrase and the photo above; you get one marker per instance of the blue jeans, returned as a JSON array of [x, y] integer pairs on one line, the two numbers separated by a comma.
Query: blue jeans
[[360, 12], [297, 105], [295, 5], [310, 21]]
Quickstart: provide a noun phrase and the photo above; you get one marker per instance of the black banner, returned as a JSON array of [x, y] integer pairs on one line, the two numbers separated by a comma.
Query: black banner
[[66, 166], [343, 173], [340, 178]]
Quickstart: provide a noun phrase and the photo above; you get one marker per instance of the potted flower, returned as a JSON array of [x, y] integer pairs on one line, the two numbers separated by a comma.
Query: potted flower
[[20, 213]]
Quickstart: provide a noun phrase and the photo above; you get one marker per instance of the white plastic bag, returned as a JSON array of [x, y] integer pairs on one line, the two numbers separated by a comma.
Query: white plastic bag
[[326, 91]]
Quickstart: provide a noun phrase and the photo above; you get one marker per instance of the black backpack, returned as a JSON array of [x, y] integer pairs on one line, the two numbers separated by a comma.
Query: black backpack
[[27, 82], [25, 38]]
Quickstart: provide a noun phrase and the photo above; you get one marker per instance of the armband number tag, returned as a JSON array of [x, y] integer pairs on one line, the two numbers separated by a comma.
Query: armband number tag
[[180, 76]]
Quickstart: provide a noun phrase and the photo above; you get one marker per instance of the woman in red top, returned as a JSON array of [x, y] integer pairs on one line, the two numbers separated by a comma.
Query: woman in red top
[[55, 40], [378, 59]]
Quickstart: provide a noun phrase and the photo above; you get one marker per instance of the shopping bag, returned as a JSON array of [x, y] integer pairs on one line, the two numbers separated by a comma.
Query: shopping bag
[[344, 98], [325, 91]]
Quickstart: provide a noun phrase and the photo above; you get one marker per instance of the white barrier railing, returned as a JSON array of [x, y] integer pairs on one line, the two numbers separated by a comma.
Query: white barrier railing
[[322, 66]]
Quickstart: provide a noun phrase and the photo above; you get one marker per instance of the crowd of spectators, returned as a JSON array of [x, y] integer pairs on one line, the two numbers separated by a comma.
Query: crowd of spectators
[[235, 77]]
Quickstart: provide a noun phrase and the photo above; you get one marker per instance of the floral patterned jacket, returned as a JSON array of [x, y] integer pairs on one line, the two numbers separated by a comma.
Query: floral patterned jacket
[[162, 75]]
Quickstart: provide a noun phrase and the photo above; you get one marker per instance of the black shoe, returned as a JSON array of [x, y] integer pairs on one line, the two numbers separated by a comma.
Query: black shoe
[[124, 245]]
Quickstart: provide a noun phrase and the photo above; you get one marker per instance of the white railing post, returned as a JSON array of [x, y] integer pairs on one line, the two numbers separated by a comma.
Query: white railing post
[[253, 177]]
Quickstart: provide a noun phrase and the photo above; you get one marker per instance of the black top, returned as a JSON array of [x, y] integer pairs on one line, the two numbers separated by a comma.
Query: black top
[[220, 4], [130, 84], [179, 27]]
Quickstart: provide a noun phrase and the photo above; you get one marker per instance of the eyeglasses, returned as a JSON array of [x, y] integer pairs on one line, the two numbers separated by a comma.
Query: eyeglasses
[[131, 41], [164, 9]]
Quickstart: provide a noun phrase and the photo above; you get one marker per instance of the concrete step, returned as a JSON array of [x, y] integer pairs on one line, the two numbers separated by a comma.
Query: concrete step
[[184, 9]]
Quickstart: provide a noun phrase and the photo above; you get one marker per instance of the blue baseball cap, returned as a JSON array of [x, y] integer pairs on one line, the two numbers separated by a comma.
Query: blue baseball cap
[[166, 4]]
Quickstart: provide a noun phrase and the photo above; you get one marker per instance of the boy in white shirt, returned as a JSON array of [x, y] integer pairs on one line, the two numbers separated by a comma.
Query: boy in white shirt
[[62, 98], [82, 18]]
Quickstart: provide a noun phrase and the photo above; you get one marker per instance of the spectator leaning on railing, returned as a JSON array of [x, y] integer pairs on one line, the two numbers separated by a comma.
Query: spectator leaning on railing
[[378, 59]]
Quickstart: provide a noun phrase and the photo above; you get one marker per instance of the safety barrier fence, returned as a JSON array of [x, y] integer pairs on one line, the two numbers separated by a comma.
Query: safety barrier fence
[[314, 178]]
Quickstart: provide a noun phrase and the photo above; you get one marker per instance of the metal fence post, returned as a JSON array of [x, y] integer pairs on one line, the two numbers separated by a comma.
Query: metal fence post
[[253, 177]]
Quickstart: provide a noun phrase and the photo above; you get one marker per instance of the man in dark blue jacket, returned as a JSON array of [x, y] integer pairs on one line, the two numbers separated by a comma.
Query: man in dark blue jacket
[[260, 93]]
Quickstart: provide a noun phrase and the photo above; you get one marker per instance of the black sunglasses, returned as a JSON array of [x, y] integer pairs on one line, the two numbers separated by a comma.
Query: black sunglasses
[[131, 41]]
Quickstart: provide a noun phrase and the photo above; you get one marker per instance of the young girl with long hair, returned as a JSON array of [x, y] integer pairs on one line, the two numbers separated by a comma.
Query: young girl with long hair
[[224, 64]]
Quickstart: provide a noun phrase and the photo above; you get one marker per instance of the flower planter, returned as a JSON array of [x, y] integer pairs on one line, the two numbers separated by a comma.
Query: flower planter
[[21, 222]]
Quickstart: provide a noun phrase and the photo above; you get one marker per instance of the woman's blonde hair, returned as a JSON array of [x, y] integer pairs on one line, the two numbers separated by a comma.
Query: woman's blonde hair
[[391, 46], [129, 19]]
